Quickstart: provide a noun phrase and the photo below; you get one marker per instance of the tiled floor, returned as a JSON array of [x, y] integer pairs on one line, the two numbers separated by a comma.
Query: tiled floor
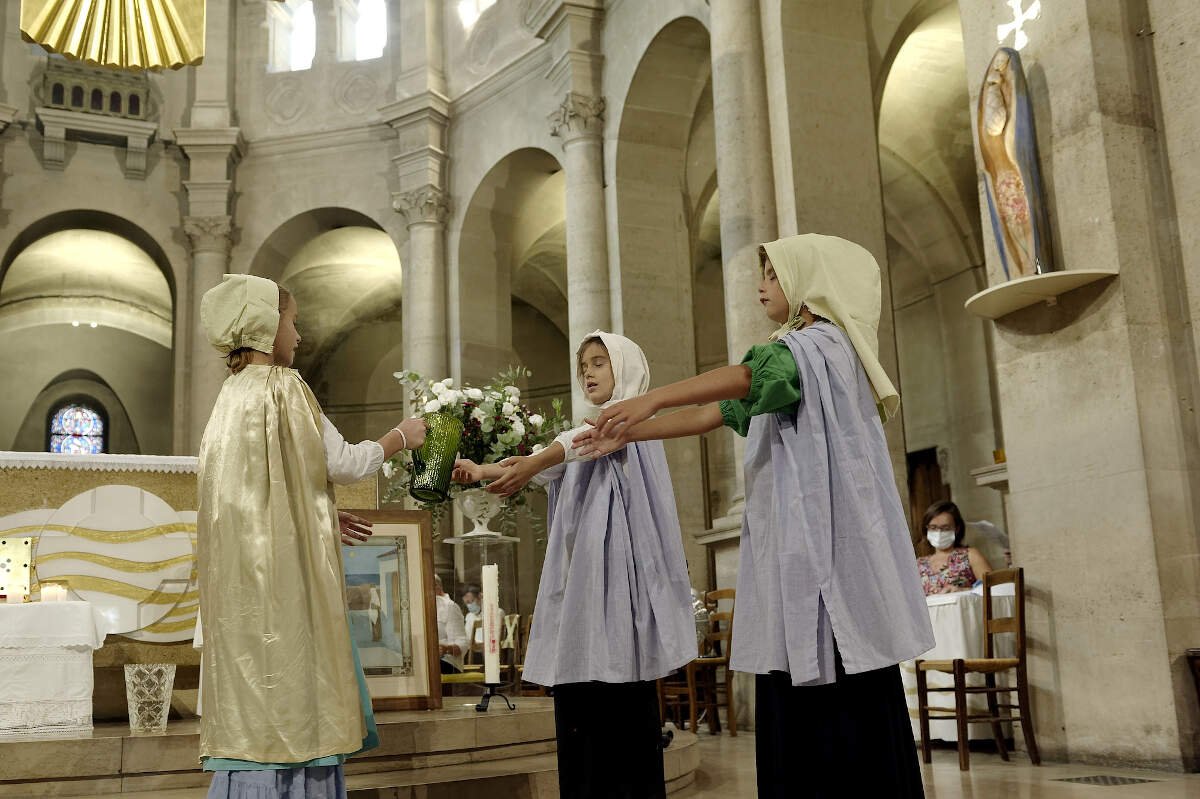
[[727, 772]]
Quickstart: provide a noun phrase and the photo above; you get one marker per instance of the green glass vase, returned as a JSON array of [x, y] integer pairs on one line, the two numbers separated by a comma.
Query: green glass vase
[[433, 462]]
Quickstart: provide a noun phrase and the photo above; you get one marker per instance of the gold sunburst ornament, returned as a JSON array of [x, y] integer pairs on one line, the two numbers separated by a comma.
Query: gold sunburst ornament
[[120, 34]]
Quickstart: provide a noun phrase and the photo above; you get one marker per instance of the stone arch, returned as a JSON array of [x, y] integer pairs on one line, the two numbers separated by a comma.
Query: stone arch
[[345, 273], [87, 219], [77, 384], [511, 257], [665, 181], [931, 214], [87, 291]]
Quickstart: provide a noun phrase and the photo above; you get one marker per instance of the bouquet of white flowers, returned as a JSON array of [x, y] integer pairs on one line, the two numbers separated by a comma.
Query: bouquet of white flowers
[[496, 425]]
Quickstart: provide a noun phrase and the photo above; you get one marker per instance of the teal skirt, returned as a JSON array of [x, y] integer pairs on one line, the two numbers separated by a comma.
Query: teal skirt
[[369, 742]]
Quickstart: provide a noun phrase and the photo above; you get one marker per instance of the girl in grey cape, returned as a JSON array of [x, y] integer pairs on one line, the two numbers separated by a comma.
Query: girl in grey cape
[[613, 610], [829, 600]]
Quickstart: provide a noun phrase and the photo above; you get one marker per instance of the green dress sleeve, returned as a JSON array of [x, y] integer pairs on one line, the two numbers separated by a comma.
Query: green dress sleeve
[[774, 386]]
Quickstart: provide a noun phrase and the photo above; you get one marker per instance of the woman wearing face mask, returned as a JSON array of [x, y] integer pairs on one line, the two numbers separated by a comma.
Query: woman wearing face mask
[[948, 566]]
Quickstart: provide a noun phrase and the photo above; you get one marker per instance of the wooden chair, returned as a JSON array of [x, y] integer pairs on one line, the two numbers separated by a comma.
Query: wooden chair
[[989, 666], [700, 686], [509, 640]]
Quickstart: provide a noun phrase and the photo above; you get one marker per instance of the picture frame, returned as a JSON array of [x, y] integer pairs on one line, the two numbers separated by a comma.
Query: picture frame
[[393, 616]]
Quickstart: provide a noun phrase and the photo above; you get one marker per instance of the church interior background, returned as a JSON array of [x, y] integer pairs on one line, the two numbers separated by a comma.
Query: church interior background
[[456, 186]]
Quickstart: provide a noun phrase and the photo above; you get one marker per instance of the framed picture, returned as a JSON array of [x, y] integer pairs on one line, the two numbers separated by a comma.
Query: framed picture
[[393, 618]]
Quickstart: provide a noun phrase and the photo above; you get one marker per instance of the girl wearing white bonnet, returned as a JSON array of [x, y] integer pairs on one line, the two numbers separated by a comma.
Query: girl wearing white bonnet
[[828, 597], [614, 603], [272, 595]]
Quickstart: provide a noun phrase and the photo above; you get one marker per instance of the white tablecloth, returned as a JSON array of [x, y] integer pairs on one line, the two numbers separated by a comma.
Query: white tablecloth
[[958, 630], [46, 667]]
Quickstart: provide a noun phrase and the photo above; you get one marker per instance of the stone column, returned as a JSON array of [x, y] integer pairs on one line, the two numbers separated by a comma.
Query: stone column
[[578, 122], [747, 198], [325, 13], [209, 237], [213, 149], [1103, 479], [425, 340]]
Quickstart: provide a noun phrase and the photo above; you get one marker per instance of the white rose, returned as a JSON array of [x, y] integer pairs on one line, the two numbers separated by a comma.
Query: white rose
[[538, 448], [507, 408], [474, 393], [438, 389], [449, 381], [479, 414], [433, 406], [512, 391], [536, 420], [388, 469], [518, 429]]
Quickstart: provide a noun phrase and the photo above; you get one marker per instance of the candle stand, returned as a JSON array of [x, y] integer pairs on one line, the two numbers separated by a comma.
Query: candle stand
[[492, 690]]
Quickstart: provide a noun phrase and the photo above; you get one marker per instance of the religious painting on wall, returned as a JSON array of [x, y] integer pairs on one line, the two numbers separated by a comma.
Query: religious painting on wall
[[1008, 147], [393, 618]]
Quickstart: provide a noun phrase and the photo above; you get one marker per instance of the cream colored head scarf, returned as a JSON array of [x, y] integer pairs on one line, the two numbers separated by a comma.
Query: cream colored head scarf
[[243, 311], [839, 280], [631, 373]]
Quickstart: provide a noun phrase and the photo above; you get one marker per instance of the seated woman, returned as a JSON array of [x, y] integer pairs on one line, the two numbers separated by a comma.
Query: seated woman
[[951, 566]]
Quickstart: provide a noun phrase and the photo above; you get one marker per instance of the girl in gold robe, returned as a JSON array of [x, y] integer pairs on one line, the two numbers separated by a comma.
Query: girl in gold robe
[[284, 698]]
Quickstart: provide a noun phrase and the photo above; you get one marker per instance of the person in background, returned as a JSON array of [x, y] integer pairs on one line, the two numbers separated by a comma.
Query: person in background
[[946, 565], [452, 633], [473, 600]]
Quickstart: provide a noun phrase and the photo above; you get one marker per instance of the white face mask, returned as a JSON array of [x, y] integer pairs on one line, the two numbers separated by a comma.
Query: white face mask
[[941, 539], [473, 607]]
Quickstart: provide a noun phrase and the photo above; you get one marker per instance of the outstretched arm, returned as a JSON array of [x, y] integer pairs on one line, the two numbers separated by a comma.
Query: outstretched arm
[[727, 382], [517, 472], [688, 422], [511, 474]]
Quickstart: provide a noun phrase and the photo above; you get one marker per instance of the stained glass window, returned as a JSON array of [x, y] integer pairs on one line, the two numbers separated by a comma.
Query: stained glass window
[[76, 429]]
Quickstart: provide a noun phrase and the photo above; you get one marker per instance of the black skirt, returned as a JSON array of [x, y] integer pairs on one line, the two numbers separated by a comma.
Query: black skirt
[[609, 741], [851, 737]]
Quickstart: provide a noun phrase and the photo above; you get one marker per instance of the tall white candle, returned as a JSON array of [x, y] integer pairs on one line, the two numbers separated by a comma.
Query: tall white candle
[[491, 623]]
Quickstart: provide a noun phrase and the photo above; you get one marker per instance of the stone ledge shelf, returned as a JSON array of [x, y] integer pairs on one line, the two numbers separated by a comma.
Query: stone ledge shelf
[[1013, 295], [56, 124], [994, 476]]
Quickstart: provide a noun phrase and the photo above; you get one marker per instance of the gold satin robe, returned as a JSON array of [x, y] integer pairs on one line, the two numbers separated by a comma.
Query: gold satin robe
[[279, 682]]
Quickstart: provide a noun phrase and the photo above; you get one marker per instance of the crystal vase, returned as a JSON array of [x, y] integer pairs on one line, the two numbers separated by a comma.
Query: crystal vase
[[148, 694]]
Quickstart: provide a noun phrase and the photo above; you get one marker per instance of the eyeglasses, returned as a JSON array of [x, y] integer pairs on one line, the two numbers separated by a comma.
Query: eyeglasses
[[935, 529]]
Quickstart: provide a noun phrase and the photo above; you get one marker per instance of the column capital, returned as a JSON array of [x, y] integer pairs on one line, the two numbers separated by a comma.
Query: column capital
[[209, 233], [427, 204], [580, 115]]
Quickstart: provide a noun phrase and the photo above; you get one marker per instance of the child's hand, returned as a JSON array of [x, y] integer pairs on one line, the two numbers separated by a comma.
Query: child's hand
[[616, 419], [466, 471], [591, 444], [354, 529], [518, 471]]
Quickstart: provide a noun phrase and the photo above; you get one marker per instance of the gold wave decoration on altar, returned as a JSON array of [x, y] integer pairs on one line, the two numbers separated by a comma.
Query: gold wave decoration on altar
[[107, 536], [120, 34], [146, 596], [119, 564]]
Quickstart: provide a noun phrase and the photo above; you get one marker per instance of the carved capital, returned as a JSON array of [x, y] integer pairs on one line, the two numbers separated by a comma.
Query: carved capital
[[209, 233], [426, 204], [579, 115]]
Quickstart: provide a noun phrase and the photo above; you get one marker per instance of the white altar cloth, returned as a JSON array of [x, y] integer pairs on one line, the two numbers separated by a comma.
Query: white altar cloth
[[46, 667], [958, 630]]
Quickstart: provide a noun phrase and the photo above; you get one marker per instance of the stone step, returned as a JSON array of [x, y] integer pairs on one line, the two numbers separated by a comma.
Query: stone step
[[453, 752]]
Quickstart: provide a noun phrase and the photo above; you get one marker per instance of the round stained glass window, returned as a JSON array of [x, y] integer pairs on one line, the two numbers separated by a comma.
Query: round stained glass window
[[76, 429]]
